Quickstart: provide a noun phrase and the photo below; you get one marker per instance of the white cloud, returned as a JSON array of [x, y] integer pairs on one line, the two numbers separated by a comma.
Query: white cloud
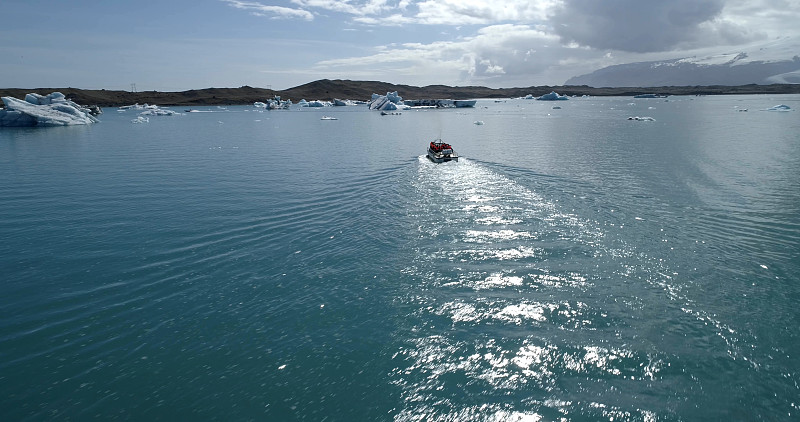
[[525, 42], [392, 20], [771, 17], [426, 12], [498, 51], [463, 12], [342, 6], [275, 12]]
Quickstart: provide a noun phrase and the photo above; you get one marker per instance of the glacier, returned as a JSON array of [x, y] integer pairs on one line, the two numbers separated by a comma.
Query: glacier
[[763, 63], [44, 110]]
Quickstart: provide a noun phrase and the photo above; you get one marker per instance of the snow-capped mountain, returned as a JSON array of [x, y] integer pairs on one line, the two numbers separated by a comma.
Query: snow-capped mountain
[[776, 62]]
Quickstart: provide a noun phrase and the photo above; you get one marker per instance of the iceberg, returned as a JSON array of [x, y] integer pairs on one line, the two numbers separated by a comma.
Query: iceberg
[[779, 107], [314, 103], [156, 111], [553, 96], [340, 103], [650, 96], [136, 106], [44, 110], [150, 110], [389, 102], [317, 103], [275, 103], [393, 97]]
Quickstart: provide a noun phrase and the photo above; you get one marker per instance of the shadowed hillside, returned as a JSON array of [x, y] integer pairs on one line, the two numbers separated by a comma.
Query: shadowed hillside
[[326, 89]]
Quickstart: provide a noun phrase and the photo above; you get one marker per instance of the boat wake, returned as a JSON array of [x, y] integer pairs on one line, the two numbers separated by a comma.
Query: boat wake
[[513, 298]]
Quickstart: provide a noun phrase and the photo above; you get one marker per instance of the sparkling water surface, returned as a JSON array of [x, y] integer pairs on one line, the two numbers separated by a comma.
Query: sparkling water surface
[[241, 264]]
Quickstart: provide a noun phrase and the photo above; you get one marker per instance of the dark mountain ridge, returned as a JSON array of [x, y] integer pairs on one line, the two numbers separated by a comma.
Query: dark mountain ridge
[[327, 89]]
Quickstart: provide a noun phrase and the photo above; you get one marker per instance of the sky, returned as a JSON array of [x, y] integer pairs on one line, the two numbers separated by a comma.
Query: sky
[[176, 45]]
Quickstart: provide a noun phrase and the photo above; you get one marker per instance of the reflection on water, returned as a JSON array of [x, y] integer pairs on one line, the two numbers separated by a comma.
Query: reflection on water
[[518, 298], [242, 264]]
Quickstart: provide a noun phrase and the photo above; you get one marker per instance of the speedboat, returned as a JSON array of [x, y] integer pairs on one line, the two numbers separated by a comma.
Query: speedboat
[[439, 152]]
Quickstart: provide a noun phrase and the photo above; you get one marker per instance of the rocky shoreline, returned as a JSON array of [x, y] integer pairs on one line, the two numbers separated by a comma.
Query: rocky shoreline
[[362, 90]]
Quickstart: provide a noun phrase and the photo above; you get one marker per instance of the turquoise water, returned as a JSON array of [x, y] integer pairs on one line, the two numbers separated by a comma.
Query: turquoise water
[[244, 265]]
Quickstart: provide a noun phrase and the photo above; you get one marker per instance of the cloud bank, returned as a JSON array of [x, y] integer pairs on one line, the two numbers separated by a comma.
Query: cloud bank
[[525, 42], [285, 43]]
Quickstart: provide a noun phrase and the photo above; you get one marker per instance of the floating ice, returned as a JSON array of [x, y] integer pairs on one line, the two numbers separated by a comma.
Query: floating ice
[[156, 111], [389, 102], [137, 106], [553, 96], [151, 110], [314, 103], [39, 110], [779, 107], [394, 97], [275, 103], [642, 119], [341, 103]]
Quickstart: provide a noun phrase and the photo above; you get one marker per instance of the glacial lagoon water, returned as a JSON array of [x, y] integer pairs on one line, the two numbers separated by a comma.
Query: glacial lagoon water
[[242, 264]]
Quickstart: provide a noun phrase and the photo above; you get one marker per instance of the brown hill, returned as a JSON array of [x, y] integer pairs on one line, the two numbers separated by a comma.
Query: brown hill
[[326, 89]]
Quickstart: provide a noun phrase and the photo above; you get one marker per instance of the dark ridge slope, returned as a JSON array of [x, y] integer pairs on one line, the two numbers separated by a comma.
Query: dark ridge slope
[[326, 89]]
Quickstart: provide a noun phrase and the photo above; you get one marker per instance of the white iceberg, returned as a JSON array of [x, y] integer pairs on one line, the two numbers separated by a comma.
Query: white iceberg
[[553, 96], [157, 111], [779, 107], [393, 97], [314, 103], [341, 103], [151, 110], [136, 106], [389, 102], [317, 103], [40, 110], [275, 103]]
